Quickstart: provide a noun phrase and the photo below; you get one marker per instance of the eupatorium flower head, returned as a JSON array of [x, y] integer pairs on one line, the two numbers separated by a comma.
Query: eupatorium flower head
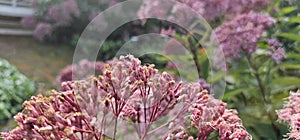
[[54, 117], [126, 90], [242, 33], [207, 115], [291, 114], [231, 127], [276, 52]]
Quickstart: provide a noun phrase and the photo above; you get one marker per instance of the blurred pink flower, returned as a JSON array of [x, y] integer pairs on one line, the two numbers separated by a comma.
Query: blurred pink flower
[[276, 52], [29, 21], [82, 70], [62, 14], [153, 8], [42, 30], [34, 3], [55, 13], [174, 47], [70, 8], [209, 9]]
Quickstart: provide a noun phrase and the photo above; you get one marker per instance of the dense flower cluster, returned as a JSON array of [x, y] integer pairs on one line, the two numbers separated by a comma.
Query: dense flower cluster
[[126, 89], [56, 117], [276, 52], [82, 70], [242, 33], [208, 115], [62, 14], [42, 30], [231, 127], [291, 114], [209, 9], [29, 21], [56, 15]]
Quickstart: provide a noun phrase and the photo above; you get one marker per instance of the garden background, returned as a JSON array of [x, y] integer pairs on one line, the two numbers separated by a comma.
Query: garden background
[[259, 40]]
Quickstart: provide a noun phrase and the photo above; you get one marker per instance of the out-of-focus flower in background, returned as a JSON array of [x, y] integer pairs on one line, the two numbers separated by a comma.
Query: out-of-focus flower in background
[[276, 52], [42, 30]]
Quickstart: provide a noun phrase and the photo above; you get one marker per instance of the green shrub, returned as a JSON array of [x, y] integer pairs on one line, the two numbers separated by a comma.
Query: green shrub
[[14, 89]]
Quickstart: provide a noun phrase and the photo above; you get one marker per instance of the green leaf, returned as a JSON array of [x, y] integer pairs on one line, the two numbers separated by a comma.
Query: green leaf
[[265, 130], [293, 55], [291, 36], [287, 10], [216, 77], [286, 81], [14, 89], [290, 66], [234, 92], [283, 88], [294, 19]]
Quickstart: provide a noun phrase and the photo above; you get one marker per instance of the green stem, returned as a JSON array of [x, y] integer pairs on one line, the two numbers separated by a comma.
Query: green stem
[[260, 84], [263, 93], [193, 50]]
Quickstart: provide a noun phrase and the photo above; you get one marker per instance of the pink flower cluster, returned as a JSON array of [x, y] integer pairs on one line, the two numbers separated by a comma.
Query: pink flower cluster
[[127, 90], [62, 14], [207, 115], [237, 7], [82, 70], [242, 33], [29, 21], [42, 30], [231, 127], [56, 15], [209, 9], [276, 52], [291, 114], [56, 117]]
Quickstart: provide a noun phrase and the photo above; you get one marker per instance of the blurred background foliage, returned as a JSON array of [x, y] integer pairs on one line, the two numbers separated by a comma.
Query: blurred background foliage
[[15, 88]]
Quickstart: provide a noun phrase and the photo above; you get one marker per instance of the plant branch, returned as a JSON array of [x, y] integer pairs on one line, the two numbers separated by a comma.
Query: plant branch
[[263, 93], [260, 84], [195, 57]]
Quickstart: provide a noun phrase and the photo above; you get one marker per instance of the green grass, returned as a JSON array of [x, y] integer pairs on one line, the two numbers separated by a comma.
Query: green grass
[[39, 61]]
